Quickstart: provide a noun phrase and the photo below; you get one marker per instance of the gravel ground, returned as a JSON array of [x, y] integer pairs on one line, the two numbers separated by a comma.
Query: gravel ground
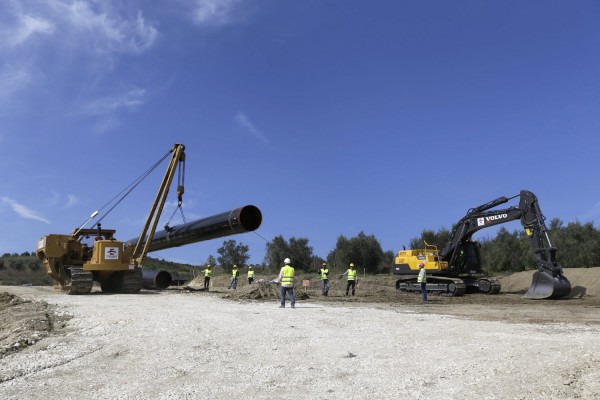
[[175, 345]]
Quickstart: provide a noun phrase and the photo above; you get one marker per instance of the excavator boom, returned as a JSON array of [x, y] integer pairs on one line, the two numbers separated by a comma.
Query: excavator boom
[[457, 267], [548, 281]]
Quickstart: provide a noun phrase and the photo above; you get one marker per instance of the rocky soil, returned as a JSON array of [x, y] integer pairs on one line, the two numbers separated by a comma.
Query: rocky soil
[[223, 344]]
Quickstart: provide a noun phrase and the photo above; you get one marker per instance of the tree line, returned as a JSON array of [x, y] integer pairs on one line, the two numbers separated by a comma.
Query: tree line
[[577, 244]]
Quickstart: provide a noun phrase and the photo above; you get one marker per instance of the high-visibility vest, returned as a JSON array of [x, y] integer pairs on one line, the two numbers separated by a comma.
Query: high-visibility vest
[[208, 272], [351, 274], [235, 273], [324, 273], [251, 273], [422, 276], [287, 278]]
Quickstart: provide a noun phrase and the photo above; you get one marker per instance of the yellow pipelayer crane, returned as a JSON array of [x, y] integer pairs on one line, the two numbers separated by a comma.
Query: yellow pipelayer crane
[[74, 265]]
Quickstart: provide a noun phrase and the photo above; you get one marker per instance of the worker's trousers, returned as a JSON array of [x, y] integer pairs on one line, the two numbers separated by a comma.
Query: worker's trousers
[[325, 285], [206, 282], [290, 291], [351, 284], [424, 291], [233, 283]]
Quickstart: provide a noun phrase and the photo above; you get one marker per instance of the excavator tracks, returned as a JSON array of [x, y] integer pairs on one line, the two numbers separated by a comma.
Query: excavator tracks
[[482, 285], [78, 281], [441, 285], [450, 286]]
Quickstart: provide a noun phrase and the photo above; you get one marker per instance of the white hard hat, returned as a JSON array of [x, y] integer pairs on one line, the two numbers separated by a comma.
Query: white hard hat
[[287, 261]]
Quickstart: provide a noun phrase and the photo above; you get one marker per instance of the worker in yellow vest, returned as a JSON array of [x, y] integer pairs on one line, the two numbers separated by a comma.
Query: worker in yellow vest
[[286, 277], [250, 275], [352, 278], [324, 271], [234, 277], [207, 275]]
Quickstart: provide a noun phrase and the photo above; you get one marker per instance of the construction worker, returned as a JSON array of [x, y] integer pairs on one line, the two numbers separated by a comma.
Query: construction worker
[[286, 277], [250, 275], [324, 271], [207, 275], [234, 276], [352, 279], [422, 279]]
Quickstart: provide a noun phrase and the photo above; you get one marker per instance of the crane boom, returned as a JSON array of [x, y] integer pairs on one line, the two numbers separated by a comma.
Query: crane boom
[[143, 243]]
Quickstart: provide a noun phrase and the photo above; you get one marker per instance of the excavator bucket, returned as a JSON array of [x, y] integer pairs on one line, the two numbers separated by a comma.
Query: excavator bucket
[[546, 286]]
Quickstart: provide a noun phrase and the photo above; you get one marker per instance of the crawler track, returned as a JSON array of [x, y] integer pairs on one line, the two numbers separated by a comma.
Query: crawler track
[[129, 281], [79, 281], [442, 285]]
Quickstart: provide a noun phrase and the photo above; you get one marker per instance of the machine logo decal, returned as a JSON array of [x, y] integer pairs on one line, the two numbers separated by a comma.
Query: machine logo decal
[[111, 253], [486, 220]]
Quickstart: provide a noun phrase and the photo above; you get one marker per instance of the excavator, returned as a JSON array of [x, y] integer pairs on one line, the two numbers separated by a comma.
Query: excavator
[[457, 268], [74, 264]]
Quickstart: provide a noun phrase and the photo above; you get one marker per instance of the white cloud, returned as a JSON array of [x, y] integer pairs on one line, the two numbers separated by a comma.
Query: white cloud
[[25, 28], [100, 27], [214, 12], [23, 211], [71, 201], [108, 31], [13, 79], [87, 35], [131, 98], [245, 124]]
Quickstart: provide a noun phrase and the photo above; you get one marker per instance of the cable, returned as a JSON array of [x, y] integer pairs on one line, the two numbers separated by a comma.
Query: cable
[[131, 186]]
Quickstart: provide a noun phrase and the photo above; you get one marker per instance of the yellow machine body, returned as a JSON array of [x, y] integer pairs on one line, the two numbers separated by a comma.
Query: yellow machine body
[[410, 260]]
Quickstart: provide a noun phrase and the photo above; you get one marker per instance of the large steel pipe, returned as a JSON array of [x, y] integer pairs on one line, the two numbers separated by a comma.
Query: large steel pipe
[[238, 220], [155, 280]]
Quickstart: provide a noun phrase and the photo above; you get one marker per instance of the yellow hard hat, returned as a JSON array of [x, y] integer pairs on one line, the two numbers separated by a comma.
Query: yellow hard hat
[[324, 264], [234, 266], [352, 264]]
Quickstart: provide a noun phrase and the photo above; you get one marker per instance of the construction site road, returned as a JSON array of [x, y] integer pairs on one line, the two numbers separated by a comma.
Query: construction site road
[[197, 345]]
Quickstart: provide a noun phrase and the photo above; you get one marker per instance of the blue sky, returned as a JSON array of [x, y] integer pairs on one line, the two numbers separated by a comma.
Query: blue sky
[[332, 116]]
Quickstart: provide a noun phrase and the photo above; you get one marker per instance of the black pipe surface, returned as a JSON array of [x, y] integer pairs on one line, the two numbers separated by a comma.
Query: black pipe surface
[[238, 220], [156, 280]]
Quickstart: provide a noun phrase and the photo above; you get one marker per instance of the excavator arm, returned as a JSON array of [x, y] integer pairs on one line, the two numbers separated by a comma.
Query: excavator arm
[[548, 281]]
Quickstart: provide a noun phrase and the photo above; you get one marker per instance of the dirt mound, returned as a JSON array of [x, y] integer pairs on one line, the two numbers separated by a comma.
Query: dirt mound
[[584, 281], [24, 322], [261, 290]]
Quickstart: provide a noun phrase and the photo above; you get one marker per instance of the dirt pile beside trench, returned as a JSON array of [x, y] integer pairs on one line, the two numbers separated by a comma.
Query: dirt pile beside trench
[[261, 289], [25, 322], [584, 281]]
